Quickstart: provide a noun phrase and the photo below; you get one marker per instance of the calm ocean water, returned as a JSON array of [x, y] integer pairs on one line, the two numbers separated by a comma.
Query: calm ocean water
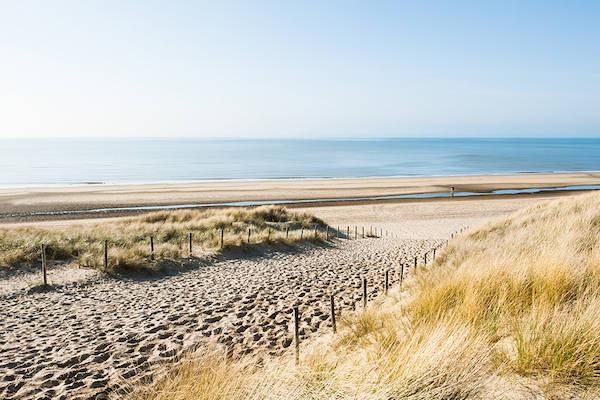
[[113, 161]]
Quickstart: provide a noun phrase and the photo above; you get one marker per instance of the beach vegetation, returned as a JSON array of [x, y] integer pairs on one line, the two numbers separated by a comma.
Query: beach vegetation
[[509, 310], [129, 238]]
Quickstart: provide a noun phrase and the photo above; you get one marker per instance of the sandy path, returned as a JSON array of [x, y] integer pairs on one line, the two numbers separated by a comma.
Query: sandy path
[[84, 340]]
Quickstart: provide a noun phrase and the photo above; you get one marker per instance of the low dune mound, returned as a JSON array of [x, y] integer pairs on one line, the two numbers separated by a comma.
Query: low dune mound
[[508, 310], [138, 241]]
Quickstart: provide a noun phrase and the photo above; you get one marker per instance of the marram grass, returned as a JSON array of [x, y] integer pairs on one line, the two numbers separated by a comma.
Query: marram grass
[[128, 239], [508, 310]]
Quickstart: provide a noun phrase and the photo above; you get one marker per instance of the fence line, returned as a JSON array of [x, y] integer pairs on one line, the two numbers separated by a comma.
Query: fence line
[[222, 244], [365, 295], [296, 311]]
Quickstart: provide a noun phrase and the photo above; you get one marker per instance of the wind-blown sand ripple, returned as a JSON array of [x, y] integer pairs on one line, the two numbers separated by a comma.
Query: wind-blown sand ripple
[[81, 341]]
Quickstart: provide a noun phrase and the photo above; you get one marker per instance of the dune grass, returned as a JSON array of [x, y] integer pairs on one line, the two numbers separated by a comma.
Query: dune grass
[[514, 300], [128, 239]]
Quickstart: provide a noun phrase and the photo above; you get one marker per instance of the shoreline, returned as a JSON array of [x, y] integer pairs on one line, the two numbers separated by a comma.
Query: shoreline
[[307, 202], [19, 204], [86, 184]]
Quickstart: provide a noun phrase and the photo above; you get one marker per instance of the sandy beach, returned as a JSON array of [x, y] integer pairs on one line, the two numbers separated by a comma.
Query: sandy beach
[[91, 335], [28, 200], [193, 193]]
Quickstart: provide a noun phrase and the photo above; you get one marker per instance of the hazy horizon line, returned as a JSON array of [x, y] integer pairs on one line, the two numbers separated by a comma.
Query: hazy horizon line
[[296, 138]]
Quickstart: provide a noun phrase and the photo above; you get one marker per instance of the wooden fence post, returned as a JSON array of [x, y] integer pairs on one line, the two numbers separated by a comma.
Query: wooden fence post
[[365, 292], [363, 232], [152, 247], [44, 264], [425, 258], [434, 253], [387, 282], [337, 233], [190, 244], [415, 262], [249, 235], [296, 334], [333, 314], [222, 232], [106, 255], [287, 232], [348, 234]]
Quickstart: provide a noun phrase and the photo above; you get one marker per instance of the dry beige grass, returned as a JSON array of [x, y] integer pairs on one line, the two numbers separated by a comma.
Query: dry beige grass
[[128, 239], [517, 299]]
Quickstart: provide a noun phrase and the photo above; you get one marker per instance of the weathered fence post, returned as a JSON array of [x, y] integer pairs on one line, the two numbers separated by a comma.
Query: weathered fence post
[[333, 314], [363, 232], [425, 258], [365, 292], [337, 233], [387, 282], [348, 234], [434, 253], [415, 262], [152, 247], [44, 264], [222, 232], [249, 229], [296, 334], [190, 244], [287, 232], [106, 255]]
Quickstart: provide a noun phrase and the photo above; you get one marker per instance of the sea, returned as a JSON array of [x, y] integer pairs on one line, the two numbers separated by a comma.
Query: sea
[[61, 162]]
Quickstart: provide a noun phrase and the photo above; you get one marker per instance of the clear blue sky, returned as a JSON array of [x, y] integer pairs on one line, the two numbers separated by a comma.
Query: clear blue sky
[[299, 68]]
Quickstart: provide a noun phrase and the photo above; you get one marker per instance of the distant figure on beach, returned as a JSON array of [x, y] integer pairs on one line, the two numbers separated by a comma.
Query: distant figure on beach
[[452, 191]]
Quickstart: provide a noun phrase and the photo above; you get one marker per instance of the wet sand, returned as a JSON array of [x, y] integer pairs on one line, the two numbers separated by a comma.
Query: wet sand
[[28, 200]]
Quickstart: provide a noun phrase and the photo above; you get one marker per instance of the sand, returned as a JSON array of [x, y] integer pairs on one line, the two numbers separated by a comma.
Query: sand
[[27, 200], [86, 338], [91, 335]]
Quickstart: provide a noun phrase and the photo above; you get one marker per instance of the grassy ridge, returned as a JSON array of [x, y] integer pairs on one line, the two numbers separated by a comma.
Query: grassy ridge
[[509, 310], [129, 238]]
